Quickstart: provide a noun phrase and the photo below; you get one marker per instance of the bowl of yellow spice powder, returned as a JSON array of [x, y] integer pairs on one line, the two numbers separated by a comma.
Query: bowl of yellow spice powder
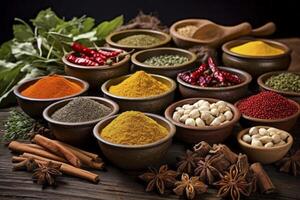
[[134, 140], [256, 56], [140, 91]]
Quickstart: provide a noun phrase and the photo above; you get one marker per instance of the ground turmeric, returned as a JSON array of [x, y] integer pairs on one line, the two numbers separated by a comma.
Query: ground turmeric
[[133, 128], [257, 48]]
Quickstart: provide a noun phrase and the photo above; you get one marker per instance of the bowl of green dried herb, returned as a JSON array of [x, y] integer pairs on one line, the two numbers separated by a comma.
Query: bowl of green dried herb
[[165, 61]]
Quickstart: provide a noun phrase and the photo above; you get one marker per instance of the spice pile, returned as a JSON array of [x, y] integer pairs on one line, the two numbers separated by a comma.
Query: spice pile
[[257, 48], [140, 40], [166, 60], [289, 82], [81, 109], [139, 84], [133, 128], [187, 31], [267, 105], [210, 76], [53, 86], [88, 57], [202, 113], [265, 137]]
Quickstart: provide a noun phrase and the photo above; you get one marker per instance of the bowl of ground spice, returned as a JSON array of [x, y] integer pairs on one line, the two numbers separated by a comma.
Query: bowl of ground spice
[[256, 56], [134, 140], [269, 109], [140, 91], [138, 39], [164, 61], [72, 120], [34, 95]]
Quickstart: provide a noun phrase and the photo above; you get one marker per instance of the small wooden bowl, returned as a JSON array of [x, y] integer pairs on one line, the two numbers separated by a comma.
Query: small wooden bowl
[[193, 135], [34, 107], [264, 155], [256, 65], [77, 133], [263, 78], [153, 104], [283, 124], [96, 75], [231, 93], [114, 37], [135, 156], [138, 59]]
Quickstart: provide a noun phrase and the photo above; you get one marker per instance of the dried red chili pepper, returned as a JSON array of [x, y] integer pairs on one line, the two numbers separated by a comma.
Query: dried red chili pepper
[[231, 77], [109, 54], [195, 75], [80, 61], [216, 72]]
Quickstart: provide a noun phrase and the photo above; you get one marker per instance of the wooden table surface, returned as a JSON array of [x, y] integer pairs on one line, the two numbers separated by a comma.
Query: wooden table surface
[[117, 184]]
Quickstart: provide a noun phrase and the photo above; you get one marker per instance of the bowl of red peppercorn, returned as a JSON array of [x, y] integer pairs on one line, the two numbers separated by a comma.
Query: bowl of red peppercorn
[[211, 81], [268, 109]]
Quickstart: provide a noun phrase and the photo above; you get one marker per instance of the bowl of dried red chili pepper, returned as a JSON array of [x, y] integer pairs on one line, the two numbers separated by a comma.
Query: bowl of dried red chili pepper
[[268, 109], [211, 81], [96, 65]]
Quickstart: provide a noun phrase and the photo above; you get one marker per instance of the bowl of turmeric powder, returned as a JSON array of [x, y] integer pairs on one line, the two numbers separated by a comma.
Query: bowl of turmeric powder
[[34, 95], [257, 56]]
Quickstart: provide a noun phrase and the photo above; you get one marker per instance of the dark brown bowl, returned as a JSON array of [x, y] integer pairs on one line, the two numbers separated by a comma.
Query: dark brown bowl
[[285, 124], [114, 37], [135, 156], [139, 57], [153, 104], [75, 133], [34, 107], [256, 65], [97, 75], [231, 93], [193, 135], [263, 78]]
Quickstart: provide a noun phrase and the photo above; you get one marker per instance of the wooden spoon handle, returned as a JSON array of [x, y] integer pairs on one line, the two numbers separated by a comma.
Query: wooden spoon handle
[[236, 31], [267, 29]]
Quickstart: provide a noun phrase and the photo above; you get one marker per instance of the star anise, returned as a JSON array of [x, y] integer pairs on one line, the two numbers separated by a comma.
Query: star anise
[[46, 173], [202, 148], [28, 164], [191, 187], [290, 163], [187, 162], [233, 184], [161, 179], [206, 171]]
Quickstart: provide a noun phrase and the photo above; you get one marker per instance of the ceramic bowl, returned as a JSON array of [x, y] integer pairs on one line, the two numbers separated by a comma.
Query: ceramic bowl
[[139, 57], [256, 65], [264, 155], [96, 75], [284, 124], [34, 107], [210, 134], [78, 133], [153, 104], [231, 93], [114, 37], [263, 78], [135, 156]]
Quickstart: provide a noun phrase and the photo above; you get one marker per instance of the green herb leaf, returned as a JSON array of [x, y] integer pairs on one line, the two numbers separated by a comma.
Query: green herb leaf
[[46, 20], [5, 51], [22, 32], [105, 28]]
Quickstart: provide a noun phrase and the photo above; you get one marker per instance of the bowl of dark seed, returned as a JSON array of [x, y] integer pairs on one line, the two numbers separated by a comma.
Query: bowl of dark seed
[[164, 61], [72, 120]]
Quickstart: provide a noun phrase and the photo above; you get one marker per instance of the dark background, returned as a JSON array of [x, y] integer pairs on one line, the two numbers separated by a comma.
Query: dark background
[[286, 14]]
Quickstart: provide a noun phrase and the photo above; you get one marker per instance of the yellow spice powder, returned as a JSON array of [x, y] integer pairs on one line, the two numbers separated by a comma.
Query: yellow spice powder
[[140, 84], [133, 128], [257, 48]]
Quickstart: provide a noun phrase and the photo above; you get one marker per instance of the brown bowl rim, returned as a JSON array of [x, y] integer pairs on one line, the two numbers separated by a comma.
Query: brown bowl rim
[[177, 66], [226, 48], [290, 140], [19, 95], [235, 119], [48, 118], [270, 120], [115, 44], [239, 72], [172, 89], [123, 61], [143, 146], [262, 84]]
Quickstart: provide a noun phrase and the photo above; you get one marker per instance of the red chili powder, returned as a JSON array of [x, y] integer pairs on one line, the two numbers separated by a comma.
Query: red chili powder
[[267, 105]]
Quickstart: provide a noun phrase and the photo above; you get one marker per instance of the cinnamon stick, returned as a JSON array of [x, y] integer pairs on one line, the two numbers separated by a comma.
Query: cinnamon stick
[[263, 180], [57, 149], [35, 146]]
